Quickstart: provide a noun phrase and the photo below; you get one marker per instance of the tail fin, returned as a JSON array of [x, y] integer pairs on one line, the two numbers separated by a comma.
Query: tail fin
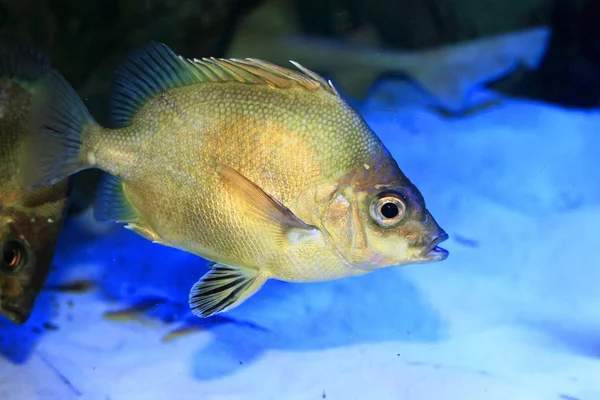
[[58, 122]]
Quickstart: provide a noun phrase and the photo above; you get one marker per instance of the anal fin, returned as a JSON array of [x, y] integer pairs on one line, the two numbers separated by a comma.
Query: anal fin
[[223, 288]]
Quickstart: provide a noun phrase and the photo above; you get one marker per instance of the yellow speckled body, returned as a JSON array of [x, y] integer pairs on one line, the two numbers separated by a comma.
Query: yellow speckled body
[[284, 140], [30, 220], [265, 171]]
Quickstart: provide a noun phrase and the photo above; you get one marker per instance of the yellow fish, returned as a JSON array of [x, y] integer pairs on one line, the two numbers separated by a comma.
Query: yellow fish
[[30, 220], [265, 171]]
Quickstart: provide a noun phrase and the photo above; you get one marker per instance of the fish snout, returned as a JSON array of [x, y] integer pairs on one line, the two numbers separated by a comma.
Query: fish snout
[[16, 313], [433, 252], [436, 235]]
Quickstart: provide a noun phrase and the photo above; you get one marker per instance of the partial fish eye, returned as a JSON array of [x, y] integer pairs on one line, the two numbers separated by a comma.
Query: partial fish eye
[[388, 210], [14, 256]]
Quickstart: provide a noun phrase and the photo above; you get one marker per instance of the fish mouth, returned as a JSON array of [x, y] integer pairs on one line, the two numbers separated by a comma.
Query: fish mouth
[[15, 314], [433, 252]]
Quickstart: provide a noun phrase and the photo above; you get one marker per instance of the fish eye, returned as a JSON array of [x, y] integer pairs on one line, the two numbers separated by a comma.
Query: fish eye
[[388, 210], [14, 256]]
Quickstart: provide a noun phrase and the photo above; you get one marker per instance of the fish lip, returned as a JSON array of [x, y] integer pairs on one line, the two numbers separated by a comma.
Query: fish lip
[[433, 252], [15, 314]]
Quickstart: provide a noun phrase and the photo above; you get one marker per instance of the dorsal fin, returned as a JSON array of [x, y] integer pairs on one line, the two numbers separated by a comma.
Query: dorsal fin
[[155, 68]]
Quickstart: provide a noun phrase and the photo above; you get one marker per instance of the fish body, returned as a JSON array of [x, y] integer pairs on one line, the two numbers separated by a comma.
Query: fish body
[[265, 171], [30, 220]]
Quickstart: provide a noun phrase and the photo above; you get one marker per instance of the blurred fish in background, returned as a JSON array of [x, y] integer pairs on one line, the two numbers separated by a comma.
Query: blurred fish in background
[[30, 220]]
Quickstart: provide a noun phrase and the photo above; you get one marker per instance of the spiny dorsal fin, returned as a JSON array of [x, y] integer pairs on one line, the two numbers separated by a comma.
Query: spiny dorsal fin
[[155, 68]]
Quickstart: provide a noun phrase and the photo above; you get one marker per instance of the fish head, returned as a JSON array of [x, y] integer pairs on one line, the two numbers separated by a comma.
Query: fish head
[[377, 218], [27, 242]]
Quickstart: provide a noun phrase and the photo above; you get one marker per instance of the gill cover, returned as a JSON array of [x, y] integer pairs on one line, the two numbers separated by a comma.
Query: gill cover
[[342, 221]]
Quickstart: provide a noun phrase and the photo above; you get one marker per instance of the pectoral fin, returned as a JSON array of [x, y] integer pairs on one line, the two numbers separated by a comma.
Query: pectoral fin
[[224, 287], [283, 226]]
